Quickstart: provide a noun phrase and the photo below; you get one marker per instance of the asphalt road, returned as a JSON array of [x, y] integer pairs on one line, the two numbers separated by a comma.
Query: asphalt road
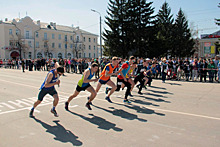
[[177, 114]]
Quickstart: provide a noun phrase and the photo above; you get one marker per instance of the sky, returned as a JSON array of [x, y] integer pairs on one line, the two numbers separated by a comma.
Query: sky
[[199, 13]]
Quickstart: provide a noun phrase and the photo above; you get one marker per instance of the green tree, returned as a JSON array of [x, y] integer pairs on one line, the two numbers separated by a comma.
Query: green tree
[[183, 42], [164, 28]]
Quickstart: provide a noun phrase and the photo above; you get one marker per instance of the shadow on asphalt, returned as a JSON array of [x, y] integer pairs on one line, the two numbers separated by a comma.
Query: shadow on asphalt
[[142, 102], [173, 84], [152, 99], [100, 122], [121, 113], [139, 109], [158, 87], [61, 134], [161, 92]]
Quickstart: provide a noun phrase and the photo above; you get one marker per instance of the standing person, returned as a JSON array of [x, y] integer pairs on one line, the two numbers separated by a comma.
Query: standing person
[[216, 61], [212, 69], [218, 70], [23, 65], [194, 69], [164, 68], [121, 78], [179, 66], [203, 70], [83, 85], [187, 69], [107, 72], [48, 88]]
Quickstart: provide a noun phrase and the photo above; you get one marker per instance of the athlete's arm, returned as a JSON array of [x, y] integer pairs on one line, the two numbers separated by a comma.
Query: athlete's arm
[[120, 71], [49, 78]]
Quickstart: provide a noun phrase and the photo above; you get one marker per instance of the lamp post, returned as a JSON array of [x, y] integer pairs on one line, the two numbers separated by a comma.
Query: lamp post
[[100, 32]]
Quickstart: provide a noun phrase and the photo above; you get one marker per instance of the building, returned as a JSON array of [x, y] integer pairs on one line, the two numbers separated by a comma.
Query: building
[[207, 45], [26, 38]]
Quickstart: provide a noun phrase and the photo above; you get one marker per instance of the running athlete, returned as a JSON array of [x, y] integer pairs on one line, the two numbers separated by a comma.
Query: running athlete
[[129, 77], [48, 88], [121, 78], [83, 85], [105, 77], [141, 76]]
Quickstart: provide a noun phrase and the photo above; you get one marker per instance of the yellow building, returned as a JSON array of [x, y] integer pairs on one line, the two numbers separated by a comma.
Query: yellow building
[[32, 39]]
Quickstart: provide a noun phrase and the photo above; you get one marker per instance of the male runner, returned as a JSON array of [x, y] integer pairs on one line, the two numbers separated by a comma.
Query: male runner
[[141, 76], [83, 85], [48, 88], [121, 78], [105, 77]]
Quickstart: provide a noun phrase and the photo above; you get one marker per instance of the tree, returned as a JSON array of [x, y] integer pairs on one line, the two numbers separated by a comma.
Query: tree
[[218, 20], [183, 42], [129, 22], [78, 46], [164, 35]]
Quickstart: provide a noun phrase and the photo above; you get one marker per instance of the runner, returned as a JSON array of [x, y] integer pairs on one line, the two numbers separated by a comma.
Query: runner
[[83, 85], [141, 76], [105, 77], [121, 78], [48, 88]]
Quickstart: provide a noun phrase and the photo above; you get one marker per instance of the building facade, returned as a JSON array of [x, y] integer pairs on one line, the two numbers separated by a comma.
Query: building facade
[[26, 38], [207, 45]]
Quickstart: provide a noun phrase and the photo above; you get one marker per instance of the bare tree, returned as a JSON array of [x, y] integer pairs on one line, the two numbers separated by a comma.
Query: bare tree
[[78, 46]]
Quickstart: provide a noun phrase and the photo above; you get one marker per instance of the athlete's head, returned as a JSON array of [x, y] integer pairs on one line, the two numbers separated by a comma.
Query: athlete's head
[[132, 60], [94, 67], [60, 70], [115, 61]]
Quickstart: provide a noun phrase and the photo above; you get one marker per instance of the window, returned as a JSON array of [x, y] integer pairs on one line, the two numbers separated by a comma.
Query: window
[[65, 37], [29, 55], [71, 45], [37, 34], [89, 55], [84, 38], [94, 47], [45, 36], [66, 46], [79, 55], [39, 55], [17, 32], [60, 56], [77, 38], [45, 44], [69, 55], [89, 47], [94, 55], [27, 35], [10, 31], [59, 36], [94, 40], [84, 55], [37, 44], [60, 45], [89, 39], [50, 55], [29, 44], [53, 36], [71, 37], [53, 45]]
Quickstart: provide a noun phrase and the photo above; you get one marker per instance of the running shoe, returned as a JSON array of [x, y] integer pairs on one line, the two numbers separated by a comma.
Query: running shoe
[[88, 106], [66, 106], [127, 101], [130, 95], [90, 102], [54, 112], [31, 113], [108, 99], [106, 90], [140, 93]]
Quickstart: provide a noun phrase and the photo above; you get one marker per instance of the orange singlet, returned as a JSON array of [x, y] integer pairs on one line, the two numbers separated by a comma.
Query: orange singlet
[[109, 67]]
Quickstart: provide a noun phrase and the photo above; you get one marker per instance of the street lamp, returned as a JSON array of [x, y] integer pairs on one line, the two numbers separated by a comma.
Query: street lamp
[[100, 32]]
